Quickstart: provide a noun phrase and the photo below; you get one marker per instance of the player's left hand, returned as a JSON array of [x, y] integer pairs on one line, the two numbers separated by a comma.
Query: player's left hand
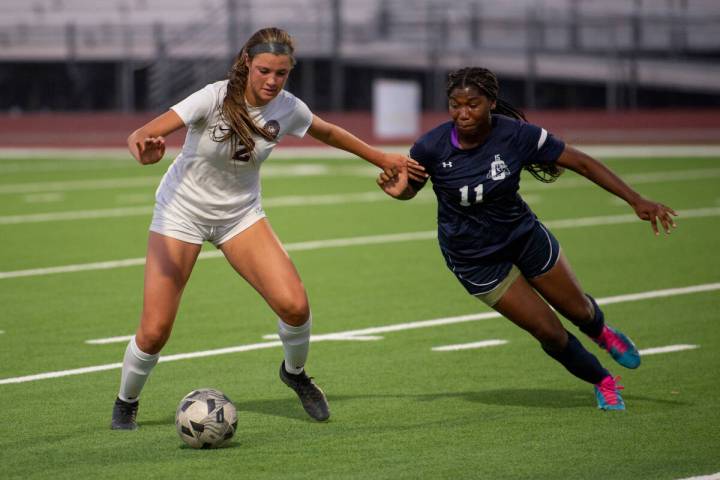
[[654, 212]]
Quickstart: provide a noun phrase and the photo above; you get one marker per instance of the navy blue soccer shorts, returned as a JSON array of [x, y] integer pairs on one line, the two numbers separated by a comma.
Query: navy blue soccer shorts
[[533, 254]]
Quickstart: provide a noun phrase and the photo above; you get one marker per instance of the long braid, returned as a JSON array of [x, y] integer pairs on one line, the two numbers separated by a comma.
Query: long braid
[[236, 123], [486, 82], [504, 108]]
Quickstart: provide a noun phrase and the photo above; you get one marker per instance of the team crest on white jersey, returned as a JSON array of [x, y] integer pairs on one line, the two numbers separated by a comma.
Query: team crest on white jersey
[[272, 128], [498, 169]]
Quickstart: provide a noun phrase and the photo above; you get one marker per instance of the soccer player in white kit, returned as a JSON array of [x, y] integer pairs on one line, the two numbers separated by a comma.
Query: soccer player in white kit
[[211, 192]]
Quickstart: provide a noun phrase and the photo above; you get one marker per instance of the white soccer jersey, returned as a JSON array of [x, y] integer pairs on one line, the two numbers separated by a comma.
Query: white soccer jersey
[[205, 183]]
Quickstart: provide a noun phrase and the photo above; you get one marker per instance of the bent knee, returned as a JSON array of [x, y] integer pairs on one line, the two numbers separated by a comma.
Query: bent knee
[[584, 312], [294, 310], [551, 338], [151, 339]]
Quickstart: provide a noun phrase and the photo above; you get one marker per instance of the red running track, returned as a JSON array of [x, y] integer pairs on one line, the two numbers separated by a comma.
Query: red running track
[[109, 130]]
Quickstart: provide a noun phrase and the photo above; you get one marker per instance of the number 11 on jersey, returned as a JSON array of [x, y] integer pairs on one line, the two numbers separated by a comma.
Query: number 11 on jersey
[[464, 195]]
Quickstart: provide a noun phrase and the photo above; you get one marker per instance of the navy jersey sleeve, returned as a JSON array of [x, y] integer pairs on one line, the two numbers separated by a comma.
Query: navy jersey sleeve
[[419, 153], [538, 146]]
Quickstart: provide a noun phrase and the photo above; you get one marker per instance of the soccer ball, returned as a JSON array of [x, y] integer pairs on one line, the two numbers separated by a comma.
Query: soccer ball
[[206, 418]]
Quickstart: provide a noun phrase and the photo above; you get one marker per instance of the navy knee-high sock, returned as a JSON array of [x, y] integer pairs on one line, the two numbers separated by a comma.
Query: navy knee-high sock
[[579, 361], [595, 327]]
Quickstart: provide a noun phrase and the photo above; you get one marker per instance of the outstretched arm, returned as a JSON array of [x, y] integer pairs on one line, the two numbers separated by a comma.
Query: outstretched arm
[[598, 173], [147, 143], [338, 137]]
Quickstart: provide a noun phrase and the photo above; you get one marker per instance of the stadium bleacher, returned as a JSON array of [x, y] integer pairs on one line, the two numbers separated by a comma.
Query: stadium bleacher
[[643, 43]]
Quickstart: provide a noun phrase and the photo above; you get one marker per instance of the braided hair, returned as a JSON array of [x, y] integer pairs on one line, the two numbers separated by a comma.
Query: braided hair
[[487, 83], [236, 124]]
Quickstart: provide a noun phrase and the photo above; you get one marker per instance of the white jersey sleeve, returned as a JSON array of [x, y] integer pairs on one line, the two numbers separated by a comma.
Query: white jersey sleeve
[[197, 107], [301, 119]]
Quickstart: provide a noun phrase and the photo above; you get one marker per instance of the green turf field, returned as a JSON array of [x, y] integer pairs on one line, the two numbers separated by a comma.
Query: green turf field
[[399, 408]]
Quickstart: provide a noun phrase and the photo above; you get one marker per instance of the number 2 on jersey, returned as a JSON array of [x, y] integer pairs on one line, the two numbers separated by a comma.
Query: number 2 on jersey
[[464, 195]]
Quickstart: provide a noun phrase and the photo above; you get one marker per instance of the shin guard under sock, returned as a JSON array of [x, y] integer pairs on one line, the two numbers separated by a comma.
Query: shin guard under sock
[[595, 327], [579, 361]]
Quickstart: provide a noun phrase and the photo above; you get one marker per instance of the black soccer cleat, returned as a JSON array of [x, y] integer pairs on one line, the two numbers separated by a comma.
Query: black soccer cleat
[[123, 417], [311, 396]]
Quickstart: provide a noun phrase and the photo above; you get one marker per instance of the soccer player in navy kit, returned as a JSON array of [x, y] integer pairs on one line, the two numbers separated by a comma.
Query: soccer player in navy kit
[[495, 245]]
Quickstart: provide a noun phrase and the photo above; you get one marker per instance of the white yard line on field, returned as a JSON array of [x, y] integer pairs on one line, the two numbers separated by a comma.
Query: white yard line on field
[[103, 341], [492, 343], [668, 349], [600, 151], [75, 215], [469, 346], [52, 197], [272, 336], [712, 476], [630, 178], [626, 218], [286, 170], [708, 287], [287, 201], [51, 166], [339, 336], [350, 334], [72, 185], [354, 241], [650, 151], [281, 153], [90, 154], [361, 170], [299, 246], [272, 202]]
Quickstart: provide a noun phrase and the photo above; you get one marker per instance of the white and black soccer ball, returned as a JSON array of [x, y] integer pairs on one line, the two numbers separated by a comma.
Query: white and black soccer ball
[[206, 418]]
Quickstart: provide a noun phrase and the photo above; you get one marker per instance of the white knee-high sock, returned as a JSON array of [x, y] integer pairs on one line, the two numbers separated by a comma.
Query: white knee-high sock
[[296, 343], [137, 366]]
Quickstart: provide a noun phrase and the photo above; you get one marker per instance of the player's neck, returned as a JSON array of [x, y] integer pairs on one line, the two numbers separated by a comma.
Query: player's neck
[[466, 141]]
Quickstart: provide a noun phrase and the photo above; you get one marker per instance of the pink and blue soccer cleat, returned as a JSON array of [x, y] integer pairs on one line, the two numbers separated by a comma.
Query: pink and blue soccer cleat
[[608, 395], [619, 346]]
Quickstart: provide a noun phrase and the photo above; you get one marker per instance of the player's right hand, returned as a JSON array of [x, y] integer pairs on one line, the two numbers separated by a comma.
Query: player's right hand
[[150, 150]]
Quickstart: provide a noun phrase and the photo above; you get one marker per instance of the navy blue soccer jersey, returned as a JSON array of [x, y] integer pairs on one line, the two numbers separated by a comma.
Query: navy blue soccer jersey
[[479, 208]]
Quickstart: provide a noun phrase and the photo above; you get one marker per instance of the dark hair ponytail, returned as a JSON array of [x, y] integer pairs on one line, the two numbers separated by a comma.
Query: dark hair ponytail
[[487, 83], [236, 124]]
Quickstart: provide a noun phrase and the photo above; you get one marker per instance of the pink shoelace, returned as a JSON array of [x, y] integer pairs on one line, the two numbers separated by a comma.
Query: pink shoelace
[[610, 341], [608, 388]]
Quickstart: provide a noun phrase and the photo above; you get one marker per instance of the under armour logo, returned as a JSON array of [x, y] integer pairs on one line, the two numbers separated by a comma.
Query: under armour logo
[[447, 164]]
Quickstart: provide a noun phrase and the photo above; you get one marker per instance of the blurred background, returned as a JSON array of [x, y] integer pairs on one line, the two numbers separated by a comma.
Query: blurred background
[[87, 72]]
